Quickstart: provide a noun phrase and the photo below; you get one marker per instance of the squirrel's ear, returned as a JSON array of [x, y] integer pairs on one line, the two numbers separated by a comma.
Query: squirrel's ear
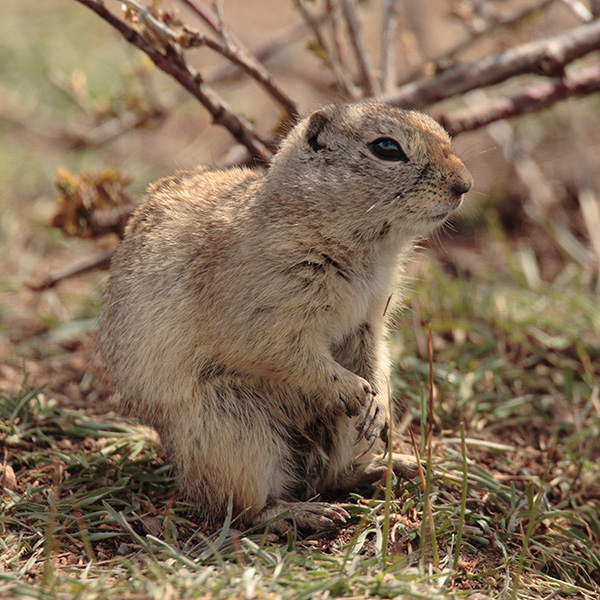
[[316, 123]]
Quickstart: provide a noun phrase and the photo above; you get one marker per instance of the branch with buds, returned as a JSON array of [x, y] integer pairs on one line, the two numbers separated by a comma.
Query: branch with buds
[[158, 41]]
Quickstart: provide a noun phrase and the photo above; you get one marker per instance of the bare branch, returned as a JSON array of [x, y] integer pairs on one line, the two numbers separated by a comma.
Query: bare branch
[[235, 51], [485, 11], [579, 9], [265, 50], [99, 261], [209, 18], [332, 8], [287, 35], [544, 57], [239, 57], [534, 98], [75, 87], [173, 63], [388, 63], [221, 21], [188, 38], [362, 58], [502, 21], [332, 63], [540, 196], [411, 37], [589, 202], [117, 126]]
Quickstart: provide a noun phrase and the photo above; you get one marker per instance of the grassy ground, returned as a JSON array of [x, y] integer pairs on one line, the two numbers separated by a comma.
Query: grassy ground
[[507, 413], [513, 503]]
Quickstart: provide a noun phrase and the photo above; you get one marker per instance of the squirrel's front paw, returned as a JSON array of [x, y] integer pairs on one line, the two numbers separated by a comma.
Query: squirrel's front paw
[[373, 424], [353, 392]]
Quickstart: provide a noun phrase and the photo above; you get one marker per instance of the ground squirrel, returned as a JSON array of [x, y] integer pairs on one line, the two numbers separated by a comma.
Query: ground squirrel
[[245, 314]]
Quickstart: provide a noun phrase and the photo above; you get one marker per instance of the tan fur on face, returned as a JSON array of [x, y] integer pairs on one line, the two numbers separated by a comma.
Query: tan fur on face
[[244, 315]]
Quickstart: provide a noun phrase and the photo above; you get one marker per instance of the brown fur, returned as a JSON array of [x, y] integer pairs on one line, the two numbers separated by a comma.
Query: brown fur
[[244, 315]]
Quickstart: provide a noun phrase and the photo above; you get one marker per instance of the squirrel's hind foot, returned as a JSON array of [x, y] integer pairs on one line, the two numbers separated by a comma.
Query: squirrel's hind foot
[[284, 516]]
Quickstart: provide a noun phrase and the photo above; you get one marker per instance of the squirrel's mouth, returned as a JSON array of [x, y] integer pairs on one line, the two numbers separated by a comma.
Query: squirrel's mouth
[[442, 214]]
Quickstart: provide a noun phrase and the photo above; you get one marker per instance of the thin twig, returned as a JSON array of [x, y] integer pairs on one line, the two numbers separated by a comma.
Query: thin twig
[[388, 62], [356, 41], [208, 17], [218, 5], [485, 12], [579, 9], [502, 21], [113, 128], [332, 8], [541, 205], [544, 57], [75, 88], [534, 98], [588, 192], [239, 57], [265, 50], [590, 210], [234, 50], [29, 115], [410, 36], [99, 261], [172, 63], [286, 36], [149, 114], [341, 78]]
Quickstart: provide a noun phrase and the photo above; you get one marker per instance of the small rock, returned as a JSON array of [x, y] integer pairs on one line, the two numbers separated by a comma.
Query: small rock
[[8, 479], [123, 549]]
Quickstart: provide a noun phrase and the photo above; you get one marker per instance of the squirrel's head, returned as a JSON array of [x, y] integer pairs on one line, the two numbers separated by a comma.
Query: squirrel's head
[[396, 167]]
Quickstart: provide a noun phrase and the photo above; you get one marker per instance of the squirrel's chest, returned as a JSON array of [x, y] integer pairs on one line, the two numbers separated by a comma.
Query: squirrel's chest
[[362, 299]]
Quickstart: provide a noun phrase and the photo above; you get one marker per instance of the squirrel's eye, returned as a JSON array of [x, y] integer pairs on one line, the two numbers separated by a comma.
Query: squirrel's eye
[[388, 149]]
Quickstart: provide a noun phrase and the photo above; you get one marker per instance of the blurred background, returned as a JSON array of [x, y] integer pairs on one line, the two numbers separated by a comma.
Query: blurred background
[[76, 98]]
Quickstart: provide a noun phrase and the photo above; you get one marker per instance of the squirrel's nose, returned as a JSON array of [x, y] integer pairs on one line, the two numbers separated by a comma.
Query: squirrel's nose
[[461, 186]]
